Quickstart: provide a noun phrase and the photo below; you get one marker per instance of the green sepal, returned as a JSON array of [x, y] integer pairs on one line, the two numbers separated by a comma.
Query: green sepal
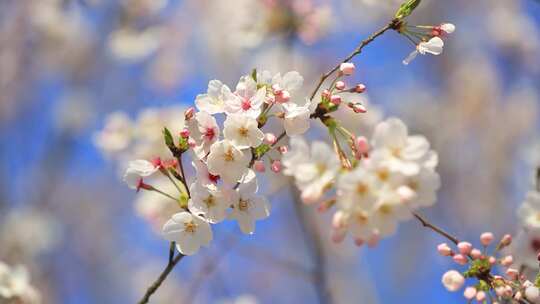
[[261, 150], [407, 8]]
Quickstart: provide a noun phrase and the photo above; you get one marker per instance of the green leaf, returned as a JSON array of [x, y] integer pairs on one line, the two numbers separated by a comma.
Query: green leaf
[[407, 8], [254, 74], [261, 150], [168, 137]]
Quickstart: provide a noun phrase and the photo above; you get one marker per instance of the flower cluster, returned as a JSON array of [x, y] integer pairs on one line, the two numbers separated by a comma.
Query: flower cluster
[[15, 286], [509, 287], [387, 179], [225, 186], [426, 38]]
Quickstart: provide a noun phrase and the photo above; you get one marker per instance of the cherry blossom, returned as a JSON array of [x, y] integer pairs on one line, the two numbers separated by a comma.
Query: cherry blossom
[[189, 231], [242, 131], [213, 102], [247, 99], [247, 206], [137, 170], [208, 202], [227, 161]]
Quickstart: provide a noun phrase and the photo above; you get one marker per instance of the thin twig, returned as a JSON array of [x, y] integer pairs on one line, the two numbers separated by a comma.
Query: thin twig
[[152, 289], [391, 25], [438, 230], [184, 180]]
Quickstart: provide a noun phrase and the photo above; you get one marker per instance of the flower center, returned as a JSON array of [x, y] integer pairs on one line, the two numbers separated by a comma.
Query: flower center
[[362, 189], [246, 104], [210, 133], [385, 209], [243, 205], [229, 155], [243, 131], [362, 217], [190, 227], [210, 201], [414, 186], [383, 174], [396, 152]]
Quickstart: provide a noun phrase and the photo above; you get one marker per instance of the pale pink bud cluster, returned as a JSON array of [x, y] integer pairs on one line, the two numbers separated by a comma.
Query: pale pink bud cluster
[[347, 68]]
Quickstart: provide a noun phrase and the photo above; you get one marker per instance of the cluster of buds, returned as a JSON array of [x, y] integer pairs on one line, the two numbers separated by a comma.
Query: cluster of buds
[[508, 287], [331, 98]]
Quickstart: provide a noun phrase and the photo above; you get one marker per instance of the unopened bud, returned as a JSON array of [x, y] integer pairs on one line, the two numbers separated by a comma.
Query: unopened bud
[[258, 165], [276, 166], [347, 68], [340, 85], [189, 113], [184, 133], [486, 238], [270, 138], [360, 88], [283, 149], [444, 249], [335, 99]]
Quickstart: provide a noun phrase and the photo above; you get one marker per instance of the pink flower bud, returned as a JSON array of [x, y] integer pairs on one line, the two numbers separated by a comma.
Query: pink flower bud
[[357, 107], [444, 249], [191, 143], [347, 68], [189, 113], [476, 254], [362, 144], [340, 85], [277, 89], [360, 88], [338, 236], [507, 261], [283, 149], [448, 28], [184, 133], [464, 247], [270, 138], [469, 293], [284, 97], [512, 273], [373, 240], [276, 166], [506, 240], [480, 296], [156, 161], [339, 220], [486, 238], [325, 94], [492, 260], [460, 259], [335, 99], [359, 242], [258, 165]]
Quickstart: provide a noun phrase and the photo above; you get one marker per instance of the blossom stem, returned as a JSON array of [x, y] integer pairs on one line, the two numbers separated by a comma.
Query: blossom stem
[[394, 24], [184, 181], [163, 193], [170, 266], [438, 230]]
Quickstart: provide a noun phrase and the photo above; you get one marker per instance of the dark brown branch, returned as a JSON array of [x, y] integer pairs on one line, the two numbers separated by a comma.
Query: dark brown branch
[[394, 24], [170, 266], [438, 230]]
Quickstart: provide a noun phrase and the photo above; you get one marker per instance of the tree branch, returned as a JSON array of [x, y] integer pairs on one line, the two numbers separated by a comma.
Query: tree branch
[[438, 230], [391, 25], [170, 266]]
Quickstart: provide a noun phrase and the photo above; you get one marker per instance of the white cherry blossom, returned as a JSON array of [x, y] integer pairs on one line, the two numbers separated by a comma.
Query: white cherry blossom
[[116, 135], [189, 231], [227, 161], [247, 99], [403, 153], [243, 131], [205, 131], [389, 211], [213, 101], [137, 170], [529, 211], [209, 202], [296, 120], [204, 177], [248, 207], [314, 173], [434, 46], [15, 285]]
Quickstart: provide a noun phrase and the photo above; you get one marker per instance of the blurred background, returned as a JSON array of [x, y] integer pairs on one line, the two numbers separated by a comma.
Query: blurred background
[[86, 85]]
